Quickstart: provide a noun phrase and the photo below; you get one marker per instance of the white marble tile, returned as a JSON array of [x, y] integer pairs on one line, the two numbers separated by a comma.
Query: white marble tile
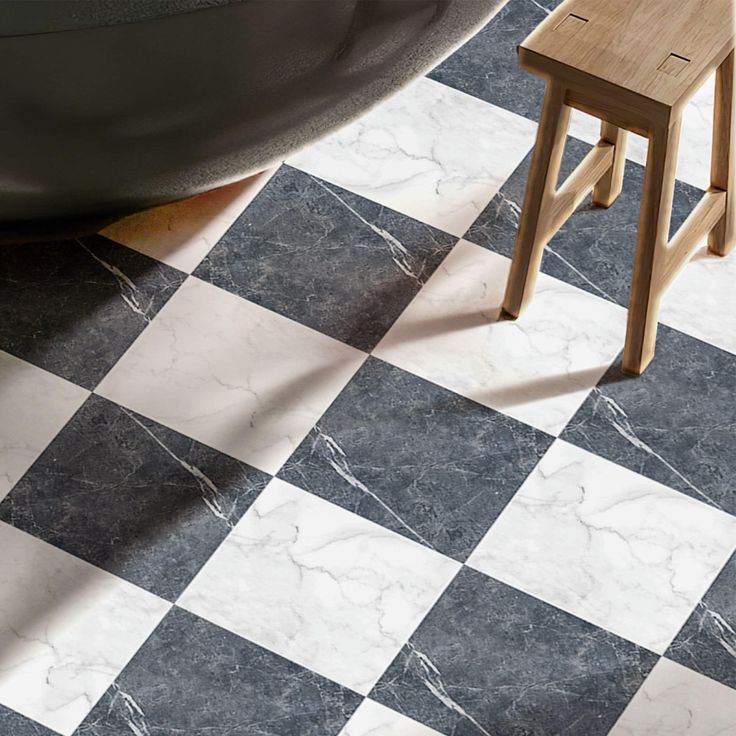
[[538, 368], [608, 545], [431, 152], [675, 701], [34, 405], [374, 719], [231, 374], [693, 165], [700, 301], [181, 234], [319, 585], [67, 629]]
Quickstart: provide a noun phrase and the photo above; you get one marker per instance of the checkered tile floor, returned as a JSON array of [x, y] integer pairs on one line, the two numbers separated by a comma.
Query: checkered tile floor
[[270, 466]]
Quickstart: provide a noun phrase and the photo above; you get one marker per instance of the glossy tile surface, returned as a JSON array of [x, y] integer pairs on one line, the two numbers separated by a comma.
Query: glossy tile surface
[[537, 369], [430, 152], [489, 659], [319, 585], [195, 678], [67, 629], [676, 701], [231, 374], [326, 258], [608, 545], [132, 497], [270, 464], [416, 458]]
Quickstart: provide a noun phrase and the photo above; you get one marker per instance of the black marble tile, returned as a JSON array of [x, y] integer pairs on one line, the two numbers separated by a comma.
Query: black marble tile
[[416, 458], [14, 724], [327, 258], [594, 249], [489, 659], [487, 65], [674, 424], [73, 307], [132, 497], [707, 642], [196, 679]]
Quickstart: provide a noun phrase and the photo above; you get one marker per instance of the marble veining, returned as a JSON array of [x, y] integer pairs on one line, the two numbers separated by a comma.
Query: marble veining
[[608, 545], [678, 702], [537, 369], [67, 629], [73, 307], [491, 660], [221, 684], [430, 152], [707, 642], [674, 424], [319, 585], [231, 375], [329, 259], [374, 719], [132, 497], [416, 458]]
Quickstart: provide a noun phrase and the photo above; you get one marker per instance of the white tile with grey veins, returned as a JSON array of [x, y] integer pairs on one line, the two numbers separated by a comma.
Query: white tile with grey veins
[[132, 497], [193, 678], [231, 374], [490, 660], [73, 307], [537, 369], [430, 151], [674, 424], [67, 629], [610, 546], [678, 702], [374, 719], [416, 458], [39, 403], [323, 587], [707, 642], [326, 258]]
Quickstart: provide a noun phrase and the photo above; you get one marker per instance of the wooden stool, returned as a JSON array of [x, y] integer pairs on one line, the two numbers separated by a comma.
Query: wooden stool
[[634, 64]]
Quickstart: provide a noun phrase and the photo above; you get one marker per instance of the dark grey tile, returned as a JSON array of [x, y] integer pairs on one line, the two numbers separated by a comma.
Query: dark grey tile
[[326, 258], [132, 497], [73, 307], [196, 679], [707, 642], [14, 724], [594, 249], [489, 659], [487, 65], [674, 424], [416, 458]]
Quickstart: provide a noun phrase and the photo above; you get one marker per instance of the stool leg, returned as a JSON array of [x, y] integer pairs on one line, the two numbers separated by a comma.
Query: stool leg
[[722, 238], [609, 186], [651, 244], [534, 232]]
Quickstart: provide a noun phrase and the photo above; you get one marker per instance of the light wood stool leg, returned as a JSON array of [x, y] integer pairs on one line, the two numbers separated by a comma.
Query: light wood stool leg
[[722, 238], [651, 245], [609, 186], [534, 226]]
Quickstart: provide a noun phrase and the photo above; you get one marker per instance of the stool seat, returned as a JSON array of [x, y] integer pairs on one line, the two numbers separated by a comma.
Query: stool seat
[[659, 50], [633, 64]]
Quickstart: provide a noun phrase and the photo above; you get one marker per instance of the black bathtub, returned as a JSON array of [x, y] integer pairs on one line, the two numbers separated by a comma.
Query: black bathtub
[[111, 106]]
